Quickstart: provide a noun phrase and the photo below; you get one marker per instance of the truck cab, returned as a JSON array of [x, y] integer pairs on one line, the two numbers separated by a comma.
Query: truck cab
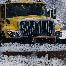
[[25, 19]]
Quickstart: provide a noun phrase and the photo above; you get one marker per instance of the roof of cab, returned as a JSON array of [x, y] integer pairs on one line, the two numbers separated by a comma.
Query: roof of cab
[[12, 2]]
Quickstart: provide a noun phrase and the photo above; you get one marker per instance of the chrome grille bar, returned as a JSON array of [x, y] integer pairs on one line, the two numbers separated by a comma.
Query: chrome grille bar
[[32, 28]]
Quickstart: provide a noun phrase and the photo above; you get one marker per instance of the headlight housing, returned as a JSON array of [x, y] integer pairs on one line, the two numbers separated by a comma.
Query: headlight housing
[[9, 32], [58, 33], [13, 34]]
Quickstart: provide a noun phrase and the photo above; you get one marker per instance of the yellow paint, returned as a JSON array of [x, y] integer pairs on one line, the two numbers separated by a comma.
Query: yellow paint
[[9, 32], [57, 27], [13, 21], [30, 2]]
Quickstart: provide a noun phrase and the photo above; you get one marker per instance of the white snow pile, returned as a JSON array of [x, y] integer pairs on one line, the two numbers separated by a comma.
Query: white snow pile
[[30, 61], [17, 47]]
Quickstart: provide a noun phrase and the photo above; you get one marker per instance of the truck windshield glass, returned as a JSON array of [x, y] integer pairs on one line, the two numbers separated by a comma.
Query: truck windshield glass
[[24, 9]]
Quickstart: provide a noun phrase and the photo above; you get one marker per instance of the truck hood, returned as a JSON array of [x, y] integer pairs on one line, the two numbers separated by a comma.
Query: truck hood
[[13, 21], [30, 16]]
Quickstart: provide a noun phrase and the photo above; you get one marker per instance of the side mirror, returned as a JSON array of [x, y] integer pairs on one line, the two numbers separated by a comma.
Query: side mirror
[[51, 13]]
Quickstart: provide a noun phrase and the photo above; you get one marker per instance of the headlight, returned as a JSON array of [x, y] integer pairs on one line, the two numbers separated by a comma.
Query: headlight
[[9, 32], [58, 33], [13, 34]]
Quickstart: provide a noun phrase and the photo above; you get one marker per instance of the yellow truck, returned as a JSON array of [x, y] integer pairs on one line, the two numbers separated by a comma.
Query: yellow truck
[[27, 21]]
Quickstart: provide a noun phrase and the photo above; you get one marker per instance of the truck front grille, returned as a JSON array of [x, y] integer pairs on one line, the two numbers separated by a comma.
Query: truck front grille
[[36, 28]]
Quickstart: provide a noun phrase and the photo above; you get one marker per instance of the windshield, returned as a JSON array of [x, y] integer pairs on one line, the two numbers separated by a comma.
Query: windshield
[[24, 9]]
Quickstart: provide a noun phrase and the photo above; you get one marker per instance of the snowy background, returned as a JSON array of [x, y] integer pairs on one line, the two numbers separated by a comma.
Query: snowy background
[[60, 6]]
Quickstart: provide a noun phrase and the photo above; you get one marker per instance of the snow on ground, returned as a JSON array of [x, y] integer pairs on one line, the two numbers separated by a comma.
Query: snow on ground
[[17, 47], [20, 60]]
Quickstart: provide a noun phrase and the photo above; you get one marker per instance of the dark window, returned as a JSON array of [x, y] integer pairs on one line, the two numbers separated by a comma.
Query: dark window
[[24, 9]]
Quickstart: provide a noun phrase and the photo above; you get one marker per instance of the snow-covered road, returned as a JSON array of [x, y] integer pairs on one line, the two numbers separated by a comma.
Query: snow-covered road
[[30, 61], [17, 47]]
